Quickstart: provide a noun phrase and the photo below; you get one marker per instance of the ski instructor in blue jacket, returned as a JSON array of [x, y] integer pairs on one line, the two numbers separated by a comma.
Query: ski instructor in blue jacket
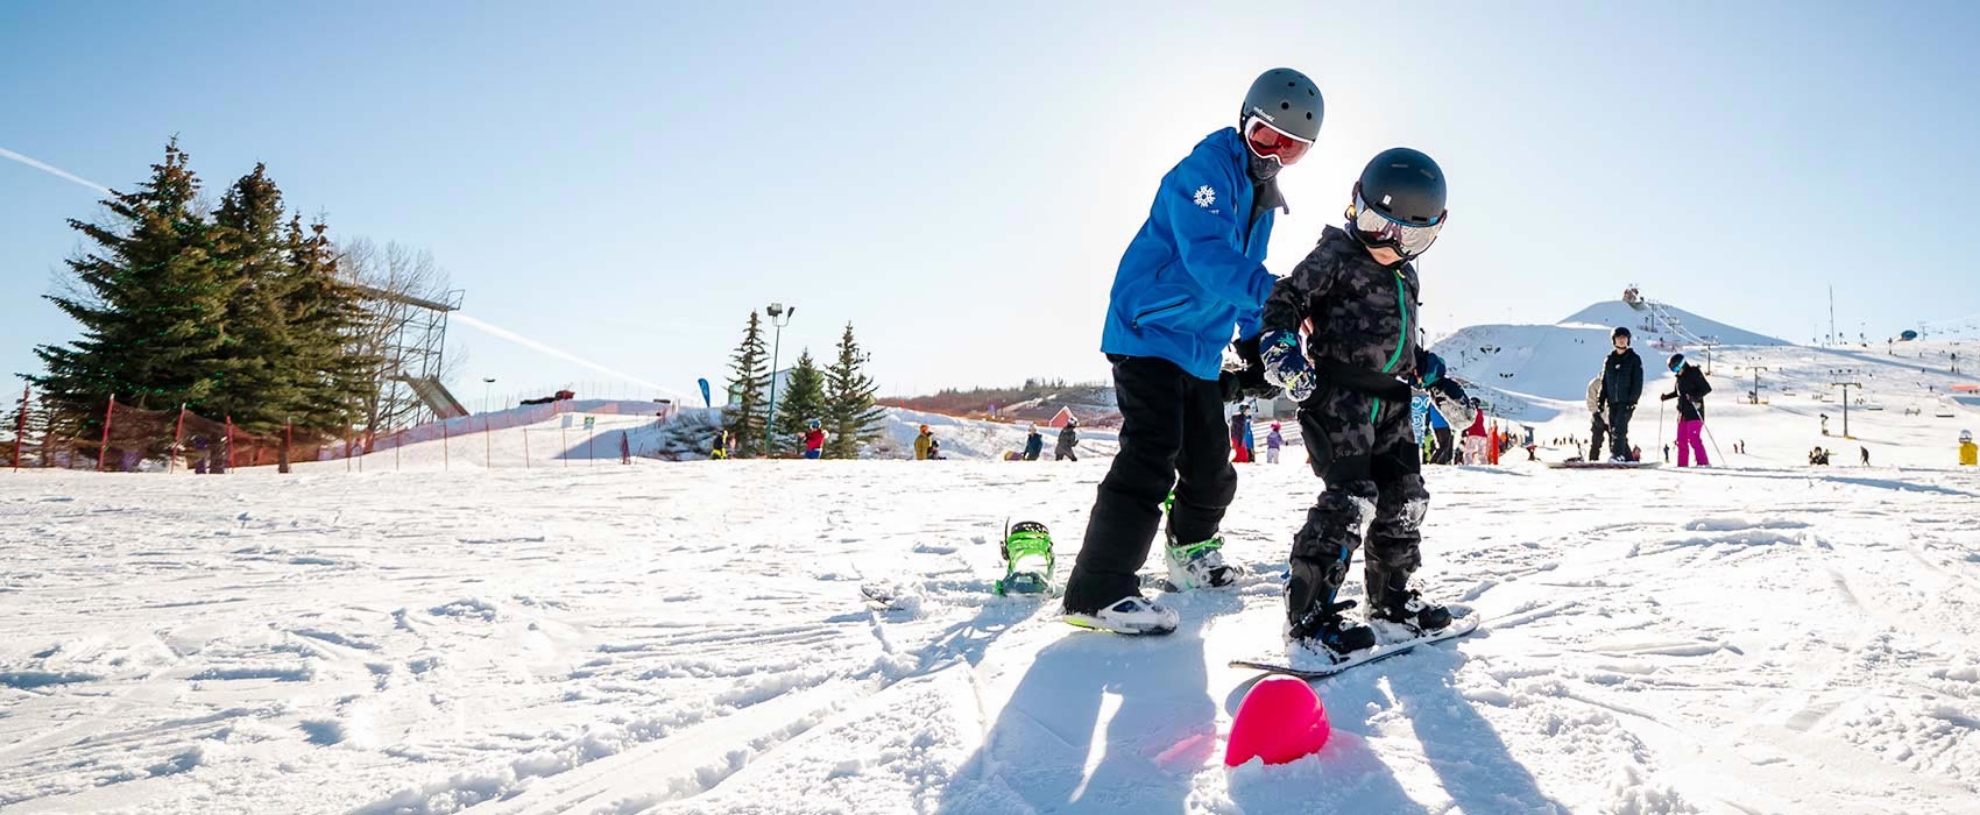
[[1192, 277]]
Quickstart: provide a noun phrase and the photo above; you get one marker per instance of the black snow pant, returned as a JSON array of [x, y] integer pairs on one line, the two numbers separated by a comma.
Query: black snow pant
[[1373, 480], [1446, 446], [1172, 434], [1596, 429], [1618, 432]]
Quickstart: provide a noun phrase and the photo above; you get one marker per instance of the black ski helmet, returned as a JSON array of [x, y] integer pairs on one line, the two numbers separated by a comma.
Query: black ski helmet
[[1286, 99], [1621, 331], [1404, 185], [1676, 360]]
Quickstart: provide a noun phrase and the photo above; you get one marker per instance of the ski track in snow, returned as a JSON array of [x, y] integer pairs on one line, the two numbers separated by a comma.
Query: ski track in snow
[[694, 638]]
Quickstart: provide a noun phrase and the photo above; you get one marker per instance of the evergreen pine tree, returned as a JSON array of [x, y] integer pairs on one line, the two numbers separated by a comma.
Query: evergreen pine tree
[[851, 416], [260, 386], [801, 400], [749, 411], [332, 377], [152, 297]]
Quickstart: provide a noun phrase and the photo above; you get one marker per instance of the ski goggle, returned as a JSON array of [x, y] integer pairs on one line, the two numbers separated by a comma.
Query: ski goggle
[[1380, 230], [1273, 143]]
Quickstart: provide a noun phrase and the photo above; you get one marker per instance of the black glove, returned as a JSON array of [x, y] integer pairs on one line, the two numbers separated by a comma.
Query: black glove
[[1667, 397], [1248, 381]]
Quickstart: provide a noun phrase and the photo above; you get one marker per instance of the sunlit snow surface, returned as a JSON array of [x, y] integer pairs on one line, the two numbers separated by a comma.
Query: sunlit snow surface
[[693, 637]]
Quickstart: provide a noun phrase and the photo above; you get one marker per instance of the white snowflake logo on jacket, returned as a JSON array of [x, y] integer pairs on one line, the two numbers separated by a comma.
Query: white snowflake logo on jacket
[[1205, 196]]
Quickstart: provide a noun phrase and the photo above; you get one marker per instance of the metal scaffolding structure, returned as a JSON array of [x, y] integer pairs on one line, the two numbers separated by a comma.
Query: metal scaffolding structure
[[409, 335]]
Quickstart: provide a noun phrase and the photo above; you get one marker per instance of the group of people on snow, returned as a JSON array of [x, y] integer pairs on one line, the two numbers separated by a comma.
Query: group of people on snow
[[1034, 442], [1612, 396], [1193, 276]]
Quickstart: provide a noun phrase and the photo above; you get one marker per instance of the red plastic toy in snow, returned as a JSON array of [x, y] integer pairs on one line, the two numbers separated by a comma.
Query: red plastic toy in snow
[[1280, 720]]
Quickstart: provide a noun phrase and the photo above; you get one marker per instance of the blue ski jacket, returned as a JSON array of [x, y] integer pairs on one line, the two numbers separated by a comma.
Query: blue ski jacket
[[1195, 270]]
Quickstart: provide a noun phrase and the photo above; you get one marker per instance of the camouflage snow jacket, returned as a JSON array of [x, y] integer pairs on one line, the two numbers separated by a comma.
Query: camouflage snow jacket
[[1363, 316]]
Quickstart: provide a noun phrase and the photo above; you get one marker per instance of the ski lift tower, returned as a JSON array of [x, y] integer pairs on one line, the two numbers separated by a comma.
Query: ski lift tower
[[409, 335]]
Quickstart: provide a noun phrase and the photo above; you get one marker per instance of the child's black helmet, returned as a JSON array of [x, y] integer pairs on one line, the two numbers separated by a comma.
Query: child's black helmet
[[1406, 186]]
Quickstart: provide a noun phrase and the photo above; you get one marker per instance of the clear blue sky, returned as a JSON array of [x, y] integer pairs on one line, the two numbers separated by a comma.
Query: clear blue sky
[[628, 180]]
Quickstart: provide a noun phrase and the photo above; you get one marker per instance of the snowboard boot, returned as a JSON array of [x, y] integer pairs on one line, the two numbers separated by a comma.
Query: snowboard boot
[[1313, 616], [1028, 560], [1194, 565], [1129, 615], [1390, 599], [1326, 630]]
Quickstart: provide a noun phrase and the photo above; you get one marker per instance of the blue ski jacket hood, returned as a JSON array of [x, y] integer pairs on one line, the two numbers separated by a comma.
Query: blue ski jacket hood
[[1196, 269]]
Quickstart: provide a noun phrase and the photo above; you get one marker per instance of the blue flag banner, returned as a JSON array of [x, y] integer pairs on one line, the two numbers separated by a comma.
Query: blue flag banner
[[706, 401]]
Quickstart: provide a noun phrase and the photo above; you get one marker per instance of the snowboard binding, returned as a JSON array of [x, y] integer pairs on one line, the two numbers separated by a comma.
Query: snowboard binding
[[1028, 560]]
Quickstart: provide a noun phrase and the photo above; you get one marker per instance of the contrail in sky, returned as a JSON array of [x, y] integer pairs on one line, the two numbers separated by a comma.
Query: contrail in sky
[[54, 171], [565, 355]]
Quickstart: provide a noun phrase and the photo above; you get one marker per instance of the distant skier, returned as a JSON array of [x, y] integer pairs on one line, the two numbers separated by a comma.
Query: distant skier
[[1598, 427], [1969, 454], [1667, 454], [1034, 444], [1192, 276], [1068, 439], [1622, 386], [625, 448], [923, 444], [1273, 441], [1240, 428], [814, 439], [1359, 291], [1866, 454], [1690, 393], [1440, 431], [1825, 424], [1476, 444], [718, 447]]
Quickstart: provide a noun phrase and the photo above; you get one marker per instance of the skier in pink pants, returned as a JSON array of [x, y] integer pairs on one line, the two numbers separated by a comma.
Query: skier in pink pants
[[1690, 393]]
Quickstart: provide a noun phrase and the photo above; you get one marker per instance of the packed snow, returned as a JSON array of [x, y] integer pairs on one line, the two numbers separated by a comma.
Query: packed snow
[[697, 637]]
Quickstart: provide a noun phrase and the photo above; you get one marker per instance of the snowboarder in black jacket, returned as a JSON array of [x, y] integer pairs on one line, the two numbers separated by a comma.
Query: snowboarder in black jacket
[[1622, 386], [1068, 437], [1690, 393], [1358, 293]]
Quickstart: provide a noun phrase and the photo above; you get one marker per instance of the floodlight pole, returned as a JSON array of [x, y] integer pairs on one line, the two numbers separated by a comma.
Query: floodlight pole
[[780, 316], [1756, 382]]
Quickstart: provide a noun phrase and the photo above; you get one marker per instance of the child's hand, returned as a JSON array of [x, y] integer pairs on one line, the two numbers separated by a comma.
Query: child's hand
[[1286, 364]]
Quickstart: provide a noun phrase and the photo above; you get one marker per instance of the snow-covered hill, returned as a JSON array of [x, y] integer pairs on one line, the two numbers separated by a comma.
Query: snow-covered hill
[[1538, 374], [692, 638]]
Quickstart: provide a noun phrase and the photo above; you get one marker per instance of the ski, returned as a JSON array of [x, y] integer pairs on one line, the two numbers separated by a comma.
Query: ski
[[1310, 666], [1603, 465]]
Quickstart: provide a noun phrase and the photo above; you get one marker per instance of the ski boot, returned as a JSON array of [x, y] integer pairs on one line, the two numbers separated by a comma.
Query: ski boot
[[1129, 615], [1194, 565], [1390, 599], [1028, 560]]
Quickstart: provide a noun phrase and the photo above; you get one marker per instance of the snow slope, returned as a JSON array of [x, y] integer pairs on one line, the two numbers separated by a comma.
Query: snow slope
[[689, 638], [1539, 375]]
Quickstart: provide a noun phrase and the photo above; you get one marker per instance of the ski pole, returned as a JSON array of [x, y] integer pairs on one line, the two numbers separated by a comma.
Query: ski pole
[[1715, 440]]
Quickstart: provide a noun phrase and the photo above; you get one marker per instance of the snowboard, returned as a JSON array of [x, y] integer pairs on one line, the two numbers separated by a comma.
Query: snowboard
[[1603, 465], [1312, 666]]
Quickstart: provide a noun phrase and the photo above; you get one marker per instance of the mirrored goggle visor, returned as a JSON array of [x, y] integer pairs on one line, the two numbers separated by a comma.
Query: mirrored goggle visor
[[1378, 230]]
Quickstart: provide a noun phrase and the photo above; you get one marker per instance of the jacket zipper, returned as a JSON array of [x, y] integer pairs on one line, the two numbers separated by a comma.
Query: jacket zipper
[[1158, 309], [1401, 340]]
